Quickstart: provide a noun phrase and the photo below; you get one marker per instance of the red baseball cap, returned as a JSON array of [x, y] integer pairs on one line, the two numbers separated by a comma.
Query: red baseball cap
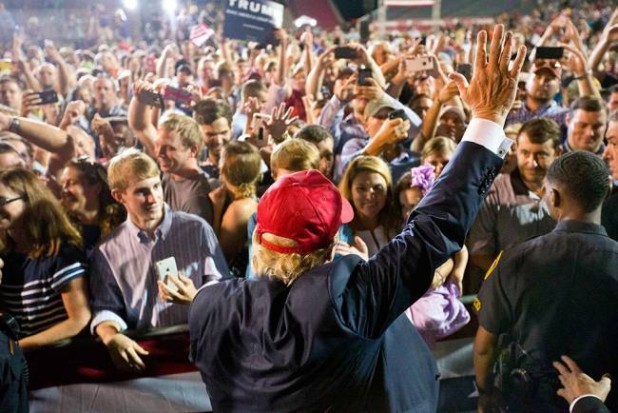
[[551, 65], [305, 207]]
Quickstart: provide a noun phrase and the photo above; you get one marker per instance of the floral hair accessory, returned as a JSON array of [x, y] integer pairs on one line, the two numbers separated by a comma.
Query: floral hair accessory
[[423, 177]]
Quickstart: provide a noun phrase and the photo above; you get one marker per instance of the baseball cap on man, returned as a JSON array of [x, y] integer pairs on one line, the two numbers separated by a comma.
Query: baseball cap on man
[[305, 207], [551, 65], [376, 105]]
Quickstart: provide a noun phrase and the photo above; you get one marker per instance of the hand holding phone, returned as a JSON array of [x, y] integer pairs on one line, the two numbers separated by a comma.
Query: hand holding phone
[[165, 268], [398, 114], [259, 128], [148, 97], [48, 96]]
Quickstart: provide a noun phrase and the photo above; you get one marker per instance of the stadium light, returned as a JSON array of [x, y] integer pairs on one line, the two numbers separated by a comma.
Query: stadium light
[[169, 6], [130, 4]]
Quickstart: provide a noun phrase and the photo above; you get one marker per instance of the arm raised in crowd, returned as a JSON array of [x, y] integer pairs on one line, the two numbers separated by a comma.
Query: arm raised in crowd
[[608, 38], [282, 67], [140, 118], [368, 61], [578, 65], [308, 57], [66, 77], [43, 135], [316, 74], [430, 122]]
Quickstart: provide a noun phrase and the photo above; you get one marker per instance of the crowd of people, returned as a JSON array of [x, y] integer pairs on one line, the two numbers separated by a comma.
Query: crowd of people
[[141, 180]]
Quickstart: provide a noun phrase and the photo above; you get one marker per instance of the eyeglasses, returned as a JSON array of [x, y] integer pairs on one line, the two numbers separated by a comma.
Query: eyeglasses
[[4, 201]]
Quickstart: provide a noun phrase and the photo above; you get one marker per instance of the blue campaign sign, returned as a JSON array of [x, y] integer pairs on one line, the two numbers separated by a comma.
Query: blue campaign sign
[[252, 20]]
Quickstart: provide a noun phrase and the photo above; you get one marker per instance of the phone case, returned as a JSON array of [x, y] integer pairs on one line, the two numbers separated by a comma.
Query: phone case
[[345, 52], [418, 64], [48, 96], [167, 267], [180, 96]]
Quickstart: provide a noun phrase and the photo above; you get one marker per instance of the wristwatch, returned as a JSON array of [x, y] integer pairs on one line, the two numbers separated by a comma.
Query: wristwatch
[[14, 125], [584, 75]]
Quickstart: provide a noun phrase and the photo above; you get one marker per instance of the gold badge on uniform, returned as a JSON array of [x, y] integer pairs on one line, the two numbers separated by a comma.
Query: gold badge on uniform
[[477, 304]]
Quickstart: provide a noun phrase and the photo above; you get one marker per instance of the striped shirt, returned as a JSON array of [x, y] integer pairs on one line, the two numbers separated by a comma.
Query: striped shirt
[[123, 283], [31, 289]]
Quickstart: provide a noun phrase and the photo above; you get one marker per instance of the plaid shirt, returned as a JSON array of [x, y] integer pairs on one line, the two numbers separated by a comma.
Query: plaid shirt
[[551, 111]]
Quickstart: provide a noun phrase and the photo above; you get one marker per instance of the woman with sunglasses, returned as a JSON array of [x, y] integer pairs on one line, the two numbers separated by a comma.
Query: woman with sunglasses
[[43, 284]]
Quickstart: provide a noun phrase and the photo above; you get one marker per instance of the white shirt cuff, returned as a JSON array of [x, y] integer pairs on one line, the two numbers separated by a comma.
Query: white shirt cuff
[[488, 134], [106, 315], [579, 398]]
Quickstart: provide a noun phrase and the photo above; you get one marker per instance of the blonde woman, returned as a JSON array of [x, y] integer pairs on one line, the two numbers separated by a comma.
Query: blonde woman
[[368, 186]]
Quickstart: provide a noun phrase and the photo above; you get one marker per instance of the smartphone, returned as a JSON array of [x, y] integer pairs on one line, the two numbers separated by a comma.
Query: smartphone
[[345, 52], [259, 118], [546, 52], [48, 96], [398, 114], [326, 93], [419, 64], [363, 75], [166, 268], [151, 98], [181, 96], [465, 69]]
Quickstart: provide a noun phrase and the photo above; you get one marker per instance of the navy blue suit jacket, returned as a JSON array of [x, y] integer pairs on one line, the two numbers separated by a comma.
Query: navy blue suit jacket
[[335, 340], [590, 405]]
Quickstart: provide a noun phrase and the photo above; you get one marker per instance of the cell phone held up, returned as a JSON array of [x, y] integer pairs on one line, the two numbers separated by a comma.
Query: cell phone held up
[[166, 268], [148, 97], [546, 52], [364, 74], [419, 64], [259, 128], [345, 52], [47, 96], [398, 114]]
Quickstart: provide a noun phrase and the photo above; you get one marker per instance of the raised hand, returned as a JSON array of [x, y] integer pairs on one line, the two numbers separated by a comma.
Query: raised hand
[[493, 87], [52, 52], [280, 120]]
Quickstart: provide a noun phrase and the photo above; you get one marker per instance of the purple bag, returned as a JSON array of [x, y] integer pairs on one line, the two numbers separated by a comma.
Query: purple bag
[[438, 313]]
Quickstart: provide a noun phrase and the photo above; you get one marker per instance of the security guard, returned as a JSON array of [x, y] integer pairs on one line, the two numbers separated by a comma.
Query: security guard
[[555, 294]]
